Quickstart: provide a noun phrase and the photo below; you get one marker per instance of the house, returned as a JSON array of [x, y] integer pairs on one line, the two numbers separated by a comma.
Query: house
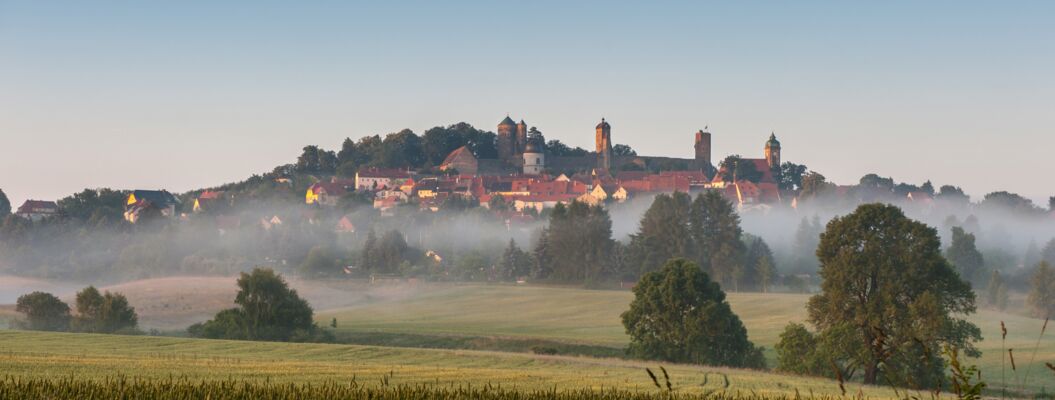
[[373, 179], [36, 210], [325, 193], [603, 192], [345, 225], [268, 223], [141, 203], [210, 201]]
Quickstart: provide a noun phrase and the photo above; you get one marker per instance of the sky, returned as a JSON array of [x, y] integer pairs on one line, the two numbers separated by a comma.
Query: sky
[[191, 94]]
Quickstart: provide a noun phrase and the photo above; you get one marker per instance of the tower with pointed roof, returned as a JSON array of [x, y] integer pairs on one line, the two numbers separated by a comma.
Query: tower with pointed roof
[[773, 151], [507, 142], [604, 145], [703, 148]]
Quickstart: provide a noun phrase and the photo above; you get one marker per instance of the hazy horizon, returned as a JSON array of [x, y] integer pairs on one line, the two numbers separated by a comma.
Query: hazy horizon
[[190, 95]]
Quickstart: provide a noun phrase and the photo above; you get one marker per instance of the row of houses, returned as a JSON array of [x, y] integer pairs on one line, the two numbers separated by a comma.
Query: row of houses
[[391, 188]]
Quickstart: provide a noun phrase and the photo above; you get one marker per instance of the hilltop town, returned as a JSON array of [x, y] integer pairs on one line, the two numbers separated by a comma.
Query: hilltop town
[[524, 174]]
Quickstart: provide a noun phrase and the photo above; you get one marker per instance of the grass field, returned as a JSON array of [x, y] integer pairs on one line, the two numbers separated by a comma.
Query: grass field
[[86, 356], [592, 317]]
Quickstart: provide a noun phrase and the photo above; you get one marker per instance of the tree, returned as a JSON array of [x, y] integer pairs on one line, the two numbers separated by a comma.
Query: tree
[[715, 229], [1051, 204], [735, 168], [953, 195], [815, 185], [807, 237], [577, 244], [1009, 202], [104, 313], [885, 280], [679, 315], [996, 291], [758, 266], [1048, 253], [390, 252], [267, 310], [796, 351], [401, 149], [1042, 291], [663, 233], [44, 312], [5, 204], [514, 263], [963, 255], [557, 148], [319, 262], [791, 176], [623, 150], [314, 160]]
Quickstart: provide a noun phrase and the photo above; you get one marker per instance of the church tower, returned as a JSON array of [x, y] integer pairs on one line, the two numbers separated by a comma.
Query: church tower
[[522, 137], [604, 145], [507, 144], [703, 148], [773, 151]]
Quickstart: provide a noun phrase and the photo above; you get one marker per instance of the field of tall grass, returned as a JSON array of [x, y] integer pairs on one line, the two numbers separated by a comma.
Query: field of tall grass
[[56, 356], [591, 317]]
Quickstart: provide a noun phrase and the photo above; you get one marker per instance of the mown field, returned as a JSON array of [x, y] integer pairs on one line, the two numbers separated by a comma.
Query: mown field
[[55, 356], [592, 317]]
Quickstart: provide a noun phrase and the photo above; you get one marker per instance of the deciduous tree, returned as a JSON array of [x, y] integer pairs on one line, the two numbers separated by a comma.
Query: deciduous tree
[[44, 312], [679, 315], [884, 277]]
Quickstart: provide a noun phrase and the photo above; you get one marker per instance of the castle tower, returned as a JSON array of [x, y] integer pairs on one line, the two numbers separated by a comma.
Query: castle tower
[[522, 136], [507, 139], [604, 145], [534, 157], [703, 148], [773, 151]]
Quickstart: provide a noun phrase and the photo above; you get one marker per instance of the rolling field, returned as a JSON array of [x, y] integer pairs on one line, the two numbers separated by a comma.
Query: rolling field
[[95, 357], [592, 317]]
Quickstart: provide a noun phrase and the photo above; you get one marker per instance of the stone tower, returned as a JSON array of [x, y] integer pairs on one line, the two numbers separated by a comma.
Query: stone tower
[[703, 148], [507, 141], [604, 145], [773, 151], [522, 137]]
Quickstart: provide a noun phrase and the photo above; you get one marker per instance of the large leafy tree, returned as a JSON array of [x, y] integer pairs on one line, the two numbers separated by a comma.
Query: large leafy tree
[[716, 233], [663, 232], [314, 160], [268, 309], [1042, 291], [886, 282], [791, 176], [679, 315], [104, 313], [734, 167], [44, 312], [963, 255]]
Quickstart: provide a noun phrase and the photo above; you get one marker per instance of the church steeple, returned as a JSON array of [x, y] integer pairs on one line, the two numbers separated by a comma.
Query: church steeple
[[773, 151]]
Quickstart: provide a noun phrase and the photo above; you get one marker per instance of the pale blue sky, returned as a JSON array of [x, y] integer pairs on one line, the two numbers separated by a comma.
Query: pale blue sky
[[180, 95]]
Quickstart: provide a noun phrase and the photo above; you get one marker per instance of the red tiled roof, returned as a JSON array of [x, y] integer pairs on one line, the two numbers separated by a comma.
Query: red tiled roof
[[37, 206]]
